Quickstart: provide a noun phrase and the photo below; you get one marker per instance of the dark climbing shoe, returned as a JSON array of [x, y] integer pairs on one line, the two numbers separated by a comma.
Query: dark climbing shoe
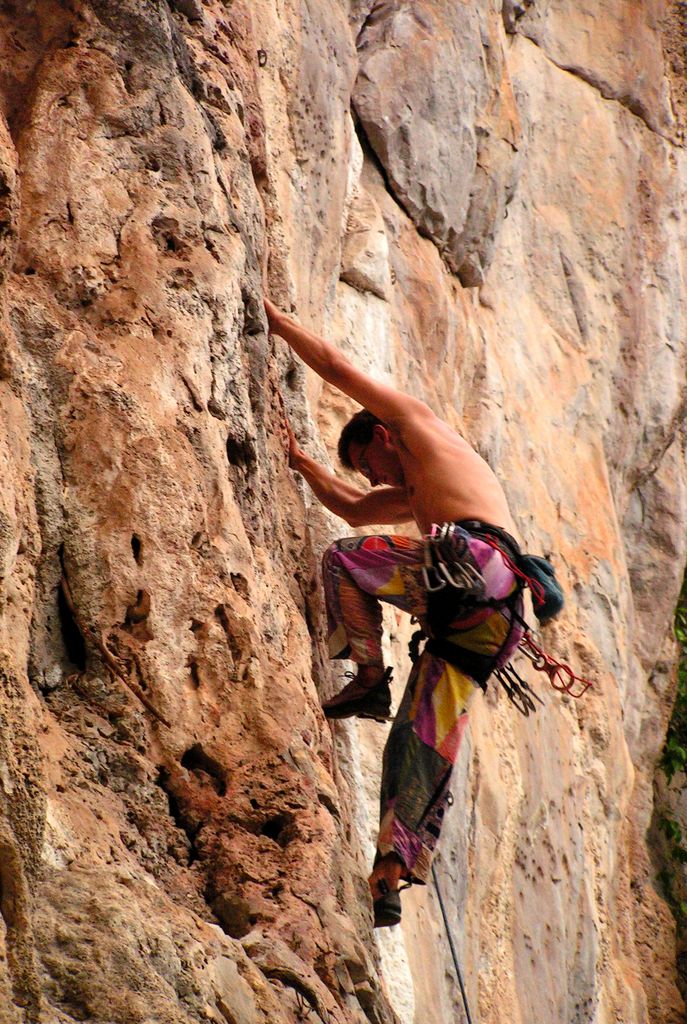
[[387, 909], [359, 701]]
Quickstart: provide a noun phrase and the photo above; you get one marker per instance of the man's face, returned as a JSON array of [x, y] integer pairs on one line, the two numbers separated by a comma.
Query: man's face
[[378, 460]]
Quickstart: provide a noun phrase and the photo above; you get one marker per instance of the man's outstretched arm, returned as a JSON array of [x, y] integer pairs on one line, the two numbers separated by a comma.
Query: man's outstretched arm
[[383, 401], [358, 508]]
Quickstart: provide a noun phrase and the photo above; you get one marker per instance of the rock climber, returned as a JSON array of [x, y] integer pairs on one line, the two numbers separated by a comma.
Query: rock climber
[[420, 470]]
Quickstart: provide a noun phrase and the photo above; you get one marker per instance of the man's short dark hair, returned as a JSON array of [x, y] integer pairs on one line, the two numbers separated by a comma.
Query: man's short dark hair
[[358, 430]]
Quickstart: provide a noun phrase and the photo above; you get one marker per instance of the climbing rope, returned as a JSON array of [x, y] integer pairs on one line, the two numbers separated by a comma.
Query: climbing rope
[[452, 945], [536, 589]]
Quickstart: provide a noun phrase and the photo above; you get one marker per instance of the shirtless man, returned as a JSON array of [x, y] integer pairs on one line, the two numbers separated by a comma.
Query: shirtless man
[[422, 470]]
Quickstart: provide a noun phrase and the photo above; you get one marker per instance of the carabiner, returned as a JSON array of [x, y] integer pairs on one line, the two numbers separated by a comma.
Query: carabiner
[[425, 575]]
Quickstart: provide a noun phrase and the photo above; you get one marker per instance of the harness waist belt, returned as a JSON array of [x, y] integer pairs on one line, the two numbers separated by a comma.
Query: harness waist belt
[[479, 529], [478, 666]]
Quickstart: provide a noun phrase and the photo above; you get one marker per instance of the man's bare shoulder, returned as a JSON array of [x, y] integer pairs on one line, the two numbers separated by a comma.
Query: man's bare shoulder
[[420, 425]]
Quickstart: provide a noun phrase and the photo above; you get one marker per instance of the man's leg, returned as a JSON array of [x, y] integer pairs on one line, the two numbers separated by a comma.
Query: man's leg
[[425, 739], [418, 760], [426, 735], [359, 572]]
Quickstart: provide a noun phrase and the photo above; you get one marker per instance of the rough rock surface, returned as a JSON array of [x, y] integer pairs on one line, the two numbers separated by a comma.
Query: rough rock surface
[[442, 122], [182, 837]]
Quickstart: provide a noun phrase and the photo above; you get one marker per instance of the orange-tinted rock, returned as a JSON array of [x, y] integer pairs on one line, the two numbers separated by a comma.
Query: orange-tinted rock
[[182, 835]]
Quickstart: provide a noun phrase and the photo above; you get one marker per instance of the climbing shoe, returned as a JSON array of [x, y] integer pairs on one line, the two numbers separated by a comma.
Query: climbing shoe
[[359, 701], [387, 909]]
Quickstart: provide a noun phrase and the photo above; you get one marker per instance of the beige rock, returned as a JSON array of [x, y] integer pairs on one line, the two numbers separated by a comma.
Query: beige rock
[[213, 868], [614, 47], [235, 999], [365, 257], [443, 125]]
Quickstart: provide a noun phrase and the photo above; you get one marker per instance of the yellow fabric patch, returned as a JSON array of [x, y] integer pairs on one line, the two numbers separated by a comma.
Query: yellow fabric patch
[[449, 700], [394, 587], [338, 641], [486, 638]]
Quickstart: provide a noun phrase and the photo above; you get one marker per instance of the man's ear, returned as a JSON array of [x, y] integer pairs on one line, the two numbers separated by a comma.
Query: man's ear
[[381, 433]]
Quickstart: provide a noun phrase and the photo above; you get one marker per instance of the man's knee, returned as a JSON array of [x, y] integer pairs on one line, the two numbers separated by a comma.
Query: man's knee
[[333, 551]]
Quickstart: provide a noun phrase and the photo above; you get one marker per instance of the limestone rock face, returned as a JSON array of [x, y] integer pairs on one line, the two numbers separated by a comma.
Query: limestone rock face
[[365, 256], [435, 101], [616, 48], [481, 203]]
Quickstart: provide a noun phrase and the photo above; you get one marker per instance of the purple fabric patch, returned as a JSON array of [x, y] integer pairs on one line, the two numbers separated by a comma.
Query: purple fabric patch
[[424, 723]]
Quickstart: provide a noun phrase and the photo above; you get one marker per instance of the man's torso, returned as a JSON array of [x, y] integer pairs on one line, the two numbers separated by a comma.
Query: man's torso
[[446, 479]]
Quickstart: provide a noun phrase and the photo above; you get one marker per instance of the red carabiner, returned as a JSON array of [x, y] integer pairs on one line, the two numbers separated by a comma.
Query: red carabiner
[[557, 671]]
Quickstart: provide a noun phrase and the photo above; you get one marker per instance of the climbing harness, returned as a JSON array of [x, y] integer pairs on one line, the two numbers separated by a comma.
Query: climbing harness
[[452, 945], [449, 563]]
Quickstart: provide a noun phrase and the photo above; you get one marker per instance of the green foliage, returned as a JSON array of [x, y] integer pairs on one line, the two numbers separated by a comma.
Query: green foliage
[[674, 757], [678, 907], [674, 761]]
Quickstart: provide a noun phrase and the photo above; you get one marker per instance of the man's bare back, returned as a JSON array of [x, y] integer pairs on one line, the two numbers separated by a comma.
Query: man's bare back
[[446, 480]]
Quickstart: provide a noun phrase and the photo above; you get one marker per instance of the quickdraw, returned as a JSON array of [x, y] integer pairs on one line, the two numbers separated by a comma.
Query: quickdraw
[[518, 690]]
